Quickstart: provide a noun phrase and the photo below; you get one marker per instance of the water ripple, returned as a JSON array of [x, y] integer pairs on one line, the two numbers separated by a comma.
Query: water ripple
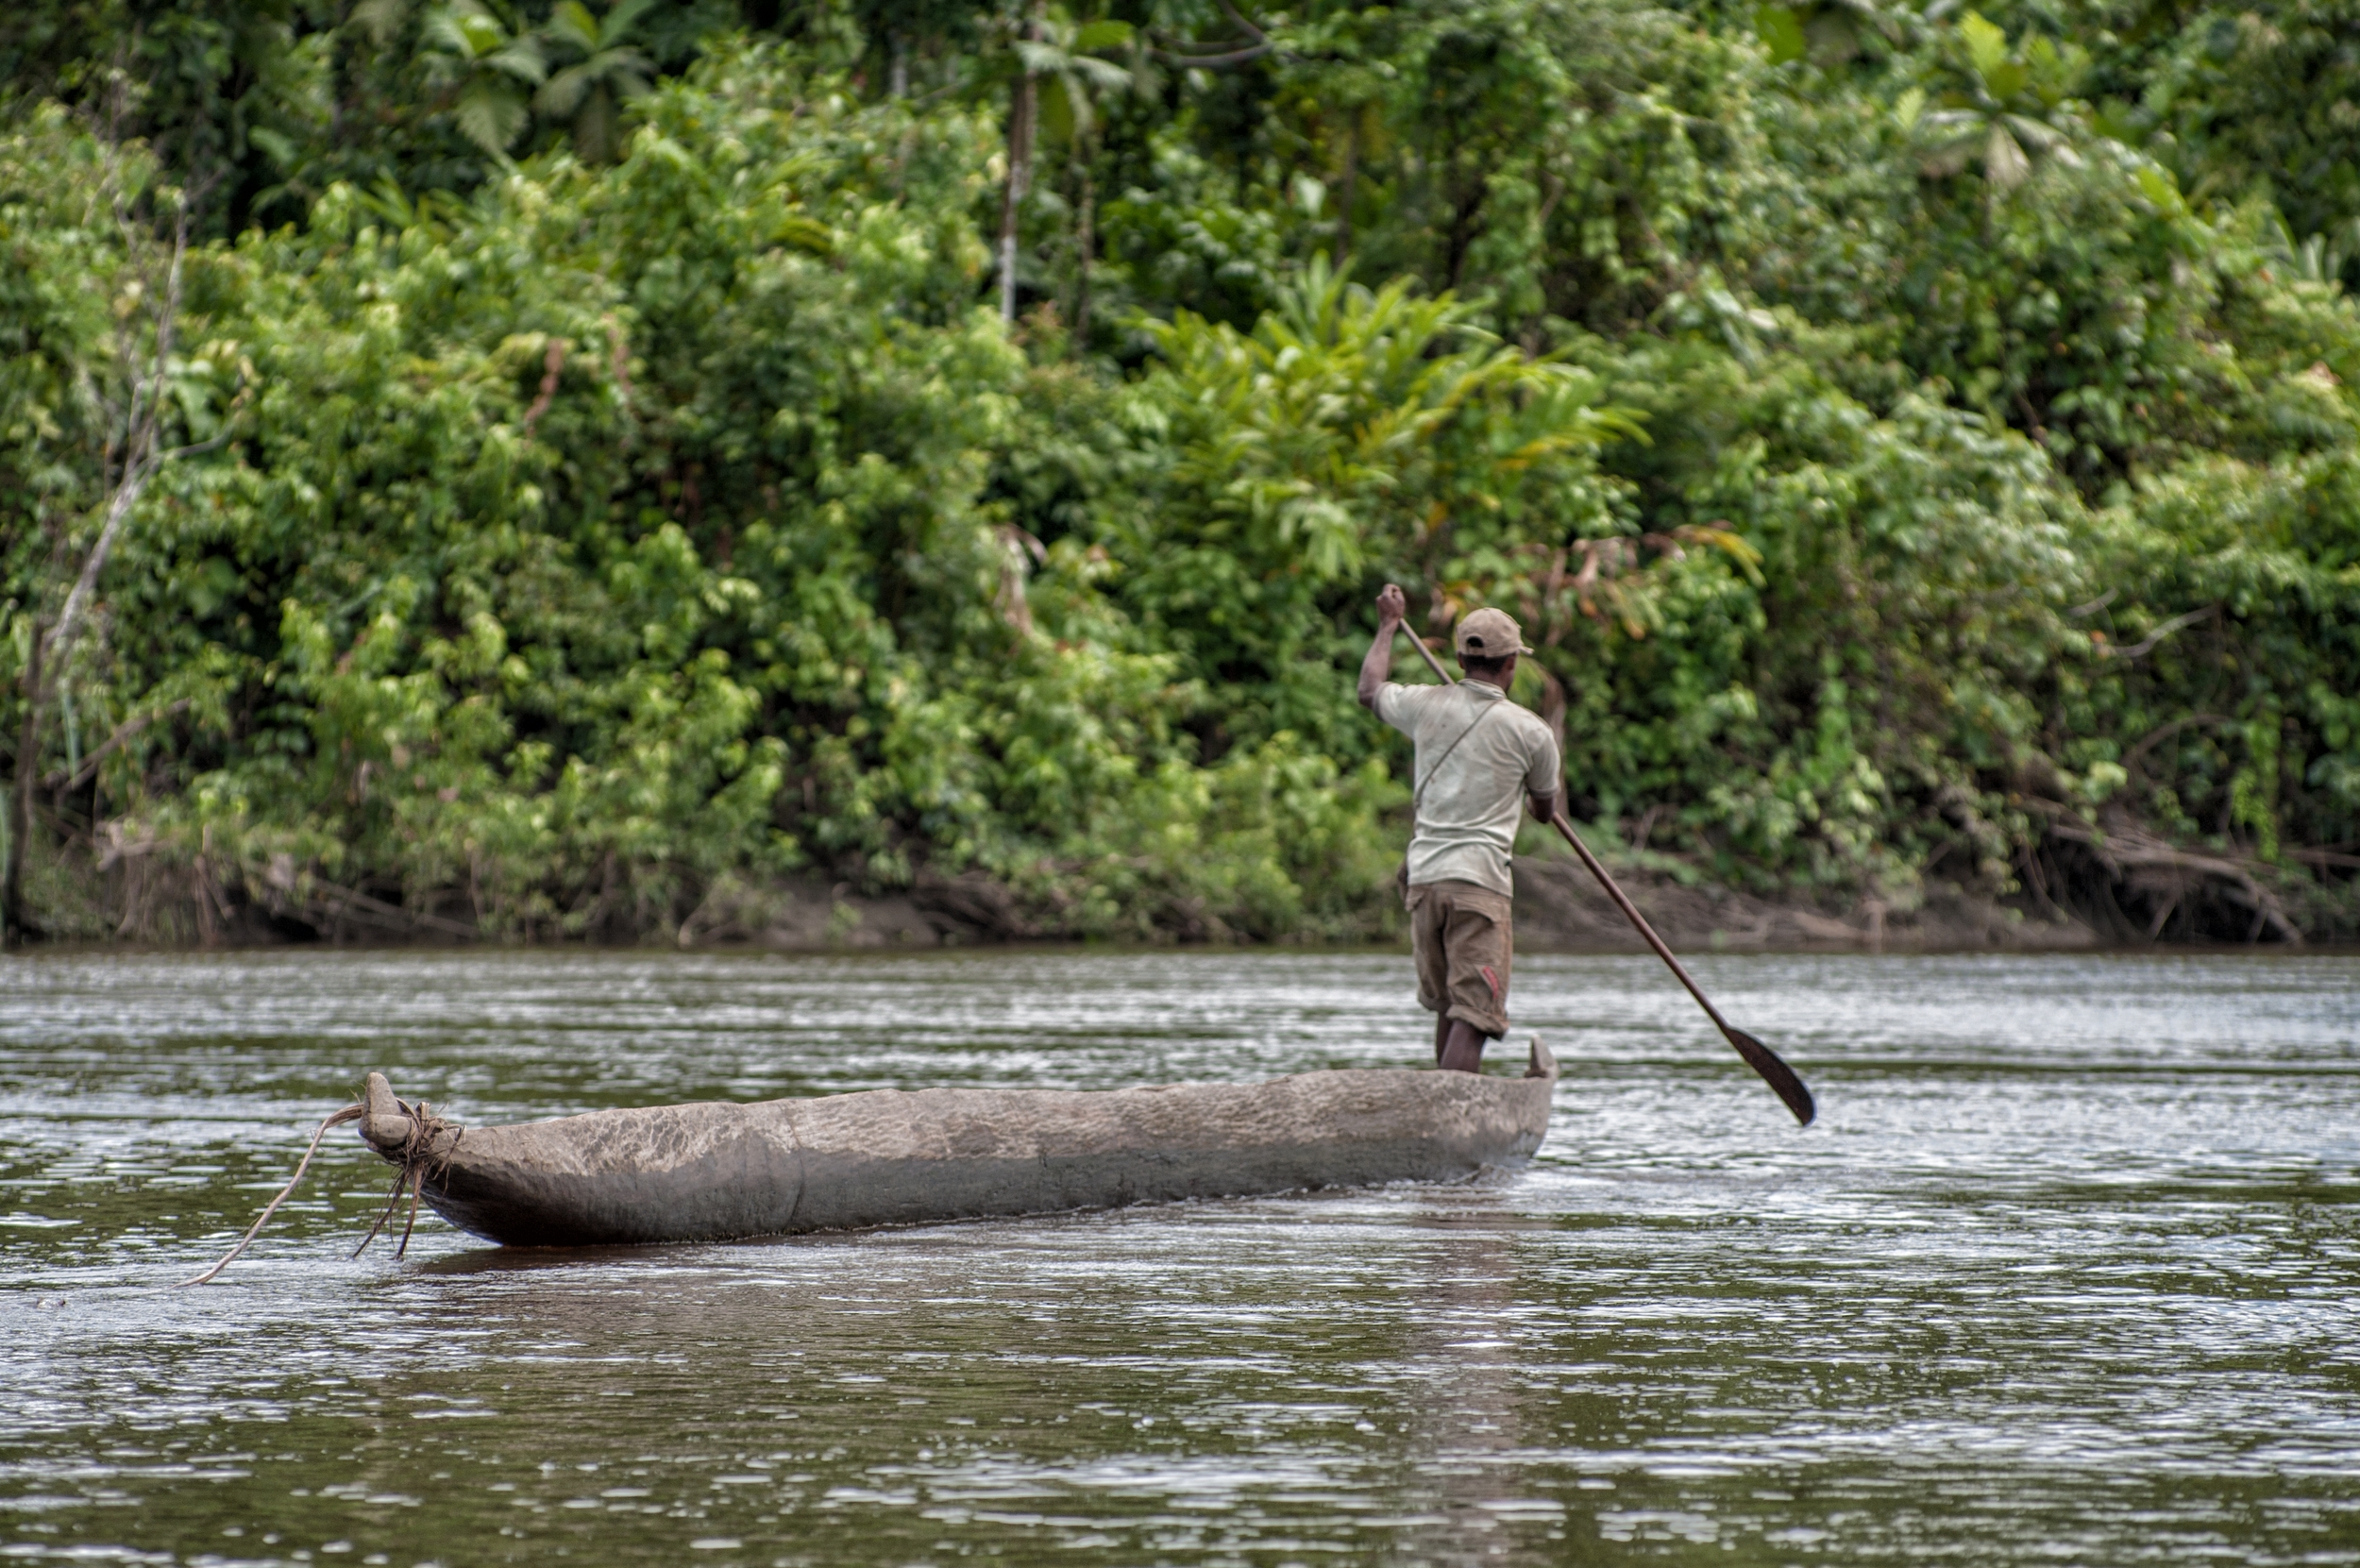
[[2066, 1272]]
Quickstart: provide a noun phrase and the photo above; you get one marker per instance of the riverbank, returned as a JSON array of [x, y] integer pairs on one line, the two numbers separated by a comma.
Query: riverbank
[[1559, 908], [2086, 891]]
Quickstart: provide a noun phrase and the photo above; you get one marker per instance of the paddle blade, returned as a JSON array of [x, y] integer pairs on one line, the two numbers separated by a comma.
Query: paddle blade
[[1775, 1072]]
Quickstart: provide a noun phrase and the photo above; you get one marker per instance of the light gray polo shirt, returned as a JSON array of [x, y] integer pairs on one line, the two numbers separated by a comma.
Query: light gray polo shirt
[[1469, 807]]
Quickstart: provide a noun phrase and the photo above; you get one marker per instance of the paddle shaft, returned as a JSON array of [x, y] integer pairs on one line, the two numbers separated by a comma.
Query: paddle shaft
[[1630, 911]]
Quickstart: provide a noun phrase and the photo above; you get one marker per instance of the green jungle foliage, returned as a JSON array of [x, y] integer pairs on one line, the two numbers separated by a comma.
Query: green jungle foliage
[[566, 468]]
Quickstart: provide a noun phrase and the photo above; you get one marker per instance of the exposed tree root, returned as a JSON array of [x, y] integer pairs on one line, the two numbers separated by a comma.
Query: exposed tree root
[[2132, 885]]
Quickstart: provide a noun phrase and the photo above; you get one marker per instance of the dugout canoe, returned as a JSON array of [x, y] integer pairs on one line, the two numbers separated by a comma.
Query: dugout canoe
[[718, 1171]]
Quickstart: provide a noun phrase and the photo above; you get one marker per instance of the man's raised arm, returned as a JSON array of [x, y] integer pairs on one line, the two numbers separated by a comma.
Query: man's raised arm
[[1391, 609]]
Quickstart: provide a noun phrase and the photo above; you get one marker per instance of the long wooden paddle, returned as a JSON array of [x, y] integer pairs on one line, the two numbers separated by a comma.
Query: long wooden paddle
[[1780, 1077]]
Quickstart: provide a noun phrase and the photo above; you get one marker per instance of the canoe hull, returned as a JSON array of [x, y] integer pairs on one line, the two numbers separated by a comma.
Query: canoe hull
[[717, 1171]]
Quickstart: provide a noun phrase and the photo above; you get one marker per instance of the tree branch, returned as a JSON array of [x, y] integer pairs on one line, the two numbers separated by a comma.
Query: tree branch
[[1193, 62], [123, 731], [2147, 743], [1229, 9], [2133, 652], [1226, 54], [140, 457]]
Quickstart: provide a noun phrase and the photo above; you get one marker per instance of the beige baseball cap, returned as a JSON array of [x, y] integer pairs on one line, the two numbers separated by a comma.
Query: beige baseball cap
[[1490, 635]]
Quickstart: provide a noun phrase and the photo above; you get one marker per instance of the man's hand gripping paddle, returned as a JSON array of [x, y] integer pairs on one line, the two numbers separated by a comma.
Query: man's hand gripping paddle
[[1759, 1057]]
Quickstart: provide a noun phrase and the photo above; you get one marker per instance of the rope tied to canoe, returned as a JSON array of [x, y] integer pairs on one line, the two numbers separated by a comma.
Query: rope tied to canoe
[[419, 1158]]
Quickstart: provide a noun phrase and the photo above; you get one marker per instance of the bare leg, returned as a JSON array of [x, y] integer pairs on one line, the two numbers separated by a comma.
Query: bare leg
[[1441, 1036], [1462, 1051]]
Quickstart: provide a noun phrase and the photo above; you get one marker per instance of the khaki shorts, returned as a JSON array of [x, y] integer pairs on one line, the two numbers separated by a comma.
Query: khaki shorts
[[1461, 936]]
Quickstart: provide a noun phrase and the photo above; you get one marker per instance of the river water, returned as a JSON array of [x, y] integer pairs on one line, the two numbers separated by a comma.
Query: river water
[[2067, 1272]]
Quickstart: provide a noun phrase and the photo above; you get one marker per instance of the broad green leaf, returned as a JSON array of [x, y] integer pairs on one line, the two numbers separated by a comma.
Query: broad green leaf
[[2157, 185], [1058, 108], [1781, 31]]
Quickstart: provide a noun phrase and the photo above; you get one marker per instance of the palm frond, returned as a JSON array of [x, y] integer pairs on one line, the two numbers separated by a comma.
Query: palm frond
[[522, 60], [620, 21], [562, 95], [572, 24], [382, 19], [594, 126], [2004, 163], [491, 113]]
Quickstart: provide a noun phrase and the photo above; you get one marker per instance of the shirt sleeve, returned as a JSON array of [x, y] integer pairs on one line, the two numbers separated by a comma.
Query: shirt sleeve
[[1545, 775], [1399, 705]]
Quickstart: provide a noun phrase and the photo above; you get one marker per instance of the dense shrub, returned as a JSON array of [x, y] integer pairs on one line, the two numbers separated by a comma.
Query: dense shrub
[[1898, 435]]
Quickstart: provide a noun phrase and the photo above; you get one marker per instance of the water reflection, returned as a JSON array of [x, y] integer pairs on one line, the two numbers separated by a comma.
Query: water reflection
[[2065, 1273], [1467, 1417]]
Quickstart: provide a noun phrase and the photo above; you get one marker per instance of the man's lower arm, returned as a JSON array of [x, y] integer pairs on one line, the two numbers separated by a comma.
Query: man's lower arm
[[1378, 663]]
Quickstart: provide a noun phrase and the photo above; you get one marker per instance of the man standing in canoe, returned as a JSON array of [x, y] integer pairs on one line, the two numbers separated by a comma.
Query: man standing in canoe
[[1479, 757]]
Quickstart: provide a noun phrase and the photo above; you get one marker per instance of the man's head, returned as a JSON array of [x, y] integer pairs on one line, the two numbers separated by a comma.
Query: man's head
[[1487, 642]]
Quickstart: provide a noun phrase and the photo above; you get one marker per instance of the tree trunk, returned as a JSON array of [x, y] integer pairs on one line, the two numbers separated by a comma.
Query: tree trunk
[[1022, 113], [1088, 240], [21, 800], [1343, 191], [1553, 714]]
